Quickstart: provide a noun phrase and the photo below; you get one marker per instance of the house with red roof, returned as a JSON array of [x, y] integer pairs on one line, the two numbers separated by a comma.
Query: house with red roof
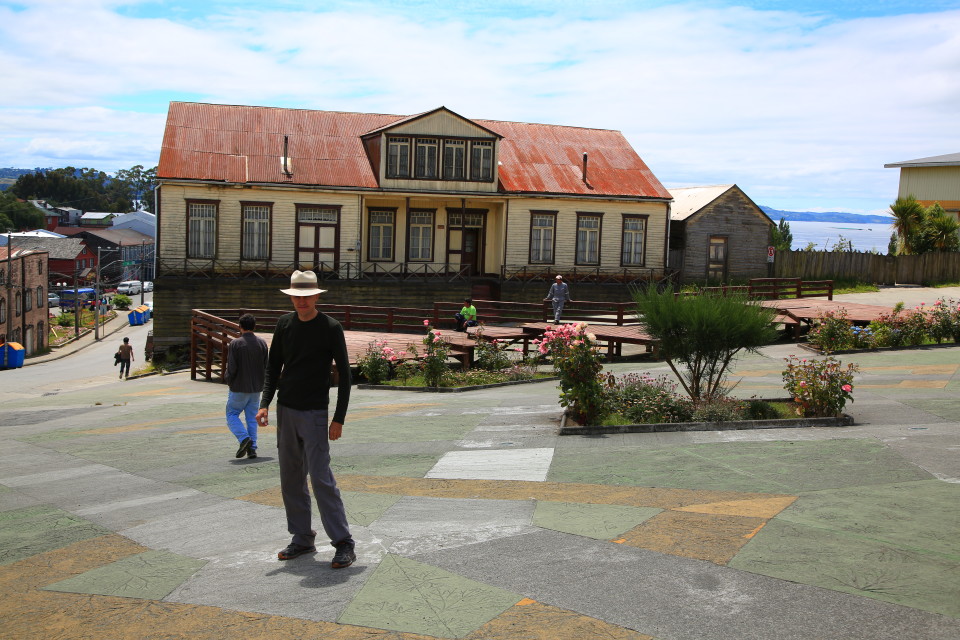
[[255, 192]]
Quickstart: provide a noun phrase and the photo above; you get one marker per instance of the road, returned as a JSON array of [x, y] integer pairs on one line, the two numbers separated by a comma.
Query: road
[[91, 366]]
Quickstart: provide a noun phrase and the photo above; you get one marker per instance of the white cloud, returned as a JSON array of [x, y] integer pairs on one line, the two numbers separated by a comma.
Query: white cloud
[[790, 106]]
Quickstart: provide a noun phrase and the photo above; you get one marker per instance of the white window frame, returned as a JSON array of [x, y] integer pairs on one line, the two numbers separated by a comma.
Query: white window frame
[[256, 231], [588, 238], [420, 236], [381, 233], [633, 245], [542, 237], [202, 229]]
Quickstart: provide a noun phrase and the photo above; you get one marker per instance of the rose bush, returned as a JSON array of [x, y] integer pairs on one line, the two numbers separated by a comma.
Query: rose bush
[[821, 388], [576, 359]]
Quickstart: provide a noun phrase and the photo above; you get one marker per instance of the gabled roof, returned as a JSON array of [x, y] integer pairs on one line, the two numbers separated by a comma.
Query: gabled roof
[[241, 144], [687, 201], [58, 248], [948, 160], [98, 215], [120, 237]]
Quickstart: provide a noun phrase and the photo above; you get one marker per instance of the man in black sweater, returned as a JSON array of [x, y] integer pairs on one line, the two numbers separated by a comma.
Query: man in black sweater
[[298, 370]]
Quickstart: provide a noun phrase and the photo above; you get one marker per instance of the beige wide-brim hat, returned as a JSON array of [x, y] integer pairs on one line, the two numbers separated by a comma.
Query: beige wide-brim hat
[[303, 283], [559, 277]]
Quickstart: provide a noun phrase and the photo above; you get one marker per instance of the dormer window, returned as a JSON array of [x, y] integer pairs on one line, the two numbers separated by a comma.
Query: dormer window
[[426, 158], [454, 159], [481, 160], [439, 158], [398, 157]]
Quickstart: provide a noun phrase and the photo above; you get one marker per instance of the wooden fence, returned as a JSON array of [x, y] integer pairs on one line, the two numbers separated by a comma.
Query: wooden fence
[[927, 268]]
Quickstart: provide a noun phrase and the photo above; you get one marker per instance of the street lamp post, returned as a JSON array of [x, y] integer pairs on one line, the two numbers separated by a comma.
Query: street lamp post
[[96, 291]]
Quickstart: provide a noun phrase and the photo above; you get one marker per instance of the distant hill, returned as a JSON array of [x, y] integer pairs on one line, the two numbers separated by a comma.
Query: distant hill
[[824, 216]]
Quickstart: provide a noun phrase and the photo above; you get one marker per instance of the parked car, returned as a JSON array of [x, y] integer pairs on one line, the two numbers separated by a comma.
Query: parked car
[[129, 287], [53, 300], [147, 286]]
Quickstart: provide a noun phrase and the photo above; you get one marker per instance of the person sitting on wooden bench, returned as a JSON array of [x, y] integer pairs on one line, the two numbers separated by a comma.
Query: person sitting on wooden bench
[[467, 316]]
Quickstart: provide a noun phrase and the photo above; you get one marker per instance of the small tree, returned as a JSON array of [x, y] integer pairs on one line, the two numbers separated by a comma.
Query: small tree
[[781, 238], [699, 336]]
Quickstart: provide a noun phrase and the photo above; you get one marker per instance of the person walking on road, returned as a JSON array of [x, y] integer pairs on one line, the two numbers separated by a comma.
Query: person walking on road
[[126, 357], [304, 344], [559, 293], [246, 366]]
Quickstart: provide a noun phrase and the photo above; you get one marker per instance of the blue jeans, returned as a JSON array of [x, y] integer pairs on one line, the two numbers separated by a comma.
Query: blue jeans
[[248, 404]]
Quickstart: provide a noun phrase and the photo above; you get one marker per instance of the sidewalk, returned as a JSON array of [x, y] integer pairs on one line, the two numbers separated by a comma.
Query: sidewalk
[[125, 515]]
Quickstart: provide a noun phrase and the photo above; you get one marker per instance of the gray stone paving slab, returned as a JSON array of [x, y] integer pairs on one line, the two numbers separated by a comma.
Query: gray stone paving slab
[[253, 579], [209, 531], [416, 524], [675, 598]]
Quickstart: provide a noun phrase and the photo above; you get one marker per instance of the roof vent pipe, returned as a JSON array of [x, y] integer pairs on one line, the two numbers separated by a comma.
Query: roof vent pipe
[[585, 168], [285, 161]]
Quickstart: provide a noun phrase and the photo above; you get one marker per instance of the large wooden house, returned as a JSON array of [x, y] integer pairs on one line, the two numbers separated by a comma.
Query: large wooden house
[[254, 192]]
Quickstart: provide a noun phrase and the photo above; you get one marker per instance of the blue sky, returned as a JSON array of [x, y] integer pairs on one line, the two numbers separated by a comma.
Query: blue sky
[[799, 103]]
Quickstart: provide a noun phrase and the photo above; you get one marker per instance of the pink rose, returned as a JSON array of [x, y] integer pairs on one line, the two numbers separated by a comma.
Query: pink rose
[[803, 384], [426, 323], [847, 388]]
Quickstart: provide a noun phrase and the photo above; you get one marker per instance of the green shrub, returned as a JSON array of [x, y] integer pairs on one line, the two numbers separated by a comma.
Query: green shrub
[[719, 410], [819, 387], [121, 301], [832, 331], [700, 336], [760, 410], [576, 359], [375, 363]]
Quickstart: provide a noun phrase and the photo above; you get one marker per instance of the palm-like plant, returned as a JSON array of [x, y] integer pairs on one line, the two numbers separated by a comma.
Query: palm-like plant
[[942, 229], [908, 217]]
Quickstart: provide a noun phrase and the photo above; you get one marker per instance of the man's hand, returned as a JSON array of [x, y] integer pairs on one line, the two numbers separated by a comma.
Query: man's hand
[[336, 430], [263, 417]]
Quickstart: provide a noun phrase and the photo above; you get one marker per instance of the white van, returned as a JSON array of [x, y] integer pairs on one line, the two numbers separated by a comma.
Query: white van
[[129, 287]]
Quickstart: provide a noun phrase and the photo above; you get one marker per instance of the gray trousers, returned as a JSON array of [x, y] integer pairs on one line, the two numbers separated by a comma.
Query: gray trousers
[[303, 447], [558, 307]]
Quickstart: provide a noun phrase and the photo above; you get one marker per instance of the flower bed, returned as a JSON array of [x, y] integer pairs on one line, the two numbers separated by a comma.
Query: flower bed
[[474, 387], [920, 326], [569, 428]]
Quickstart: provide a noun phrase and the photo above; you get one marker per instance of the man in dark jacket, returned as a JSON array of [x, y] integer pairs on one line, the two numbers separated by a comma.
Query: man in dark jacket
[[246, 364], [304, 345]]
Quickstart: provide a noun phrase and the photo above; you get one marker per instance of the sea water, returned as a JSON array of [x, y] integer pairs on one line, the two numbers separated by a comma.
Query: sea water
[[871, 236]]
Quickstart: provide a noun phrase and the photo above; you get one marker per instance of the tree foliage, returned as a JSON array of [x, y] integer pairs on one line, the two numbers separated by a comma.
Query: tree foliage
[[781, 238], [89, 189], [922, 229], [699, 336], [18, 216]]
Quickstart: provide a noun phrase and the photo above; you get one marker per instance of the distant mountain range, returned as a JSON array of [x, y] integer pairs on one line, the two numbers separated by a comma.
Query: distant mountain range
[[824, 216]]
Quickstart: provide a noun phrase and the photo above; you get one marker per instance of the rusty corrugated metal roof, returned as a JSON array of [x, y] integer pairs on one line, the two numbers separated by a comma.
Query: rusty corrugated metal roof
[[241, 144]]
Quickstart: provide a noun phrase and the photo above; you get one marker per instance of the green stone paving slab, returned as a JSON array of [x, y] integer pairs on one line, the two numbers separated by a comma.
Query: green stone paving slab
[[410, 466], [762, 467], [387, 428], [244, 479], [946, 408], [919, 516], [405, 595], [364, 508], [151, 575], [137, 452], [31, 530], [852, 564], [599, 521]]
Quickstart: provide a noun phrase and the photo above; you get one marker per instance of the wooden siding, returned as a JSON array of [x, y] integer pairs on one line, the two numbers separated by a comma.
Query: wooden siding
[[931, 184], [612, 212], [747, 230], [172, 220]]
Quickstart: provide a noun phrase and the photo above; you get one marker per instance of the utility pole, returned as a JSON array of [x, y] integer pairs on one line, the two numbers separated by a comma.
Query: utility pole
[[96, 304], [140, 270]]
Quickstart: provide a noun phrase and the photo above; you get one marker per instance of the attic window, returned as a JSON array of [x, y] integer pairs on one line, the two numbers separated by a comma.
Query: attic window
[[481, 160], [398, 157]]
